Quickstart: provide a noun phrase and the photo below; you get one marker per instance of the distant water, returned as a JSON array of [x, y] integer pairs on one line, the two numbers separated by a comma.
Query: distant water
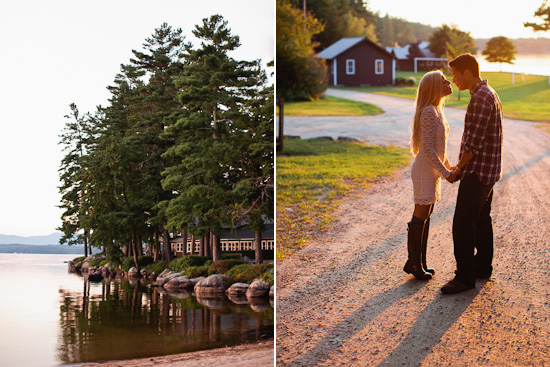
[[526, 64], [49, 317]]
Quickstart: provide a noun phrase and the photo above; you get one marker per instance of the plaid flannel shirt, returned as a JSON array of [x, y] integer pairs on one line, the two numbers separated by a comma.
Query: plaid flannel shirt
[[483, 134]]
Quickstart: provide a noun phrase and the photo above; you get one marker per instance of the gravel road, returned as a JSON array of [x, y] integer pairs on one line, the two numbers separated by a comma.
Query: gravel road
[[345, 300]]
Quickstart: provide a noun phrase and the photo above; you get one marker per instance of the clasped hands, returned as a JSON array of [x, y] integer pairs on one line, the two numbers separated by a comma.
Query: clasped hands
[[453, 177]]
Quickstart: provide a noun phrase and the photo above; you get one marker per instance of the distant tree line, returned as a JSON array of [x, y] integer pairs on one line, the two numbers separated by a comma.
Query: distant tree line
[[185, 144]]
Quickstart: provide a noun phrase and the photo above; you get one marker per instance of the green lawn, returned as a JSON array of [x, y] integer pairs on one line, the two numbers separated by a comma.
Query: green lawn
[[527, 99], [331, 106], [313, 177]]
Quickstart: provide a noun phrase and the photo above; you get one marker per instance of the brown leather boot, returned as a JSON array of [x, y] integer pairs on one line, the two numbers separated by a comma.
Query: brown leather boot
[[414, 246], [425, 245]]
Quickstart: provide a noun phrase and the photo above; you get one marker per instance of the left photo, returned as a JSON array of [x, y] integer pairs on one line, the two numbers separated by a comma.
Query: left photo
[[137, 145]]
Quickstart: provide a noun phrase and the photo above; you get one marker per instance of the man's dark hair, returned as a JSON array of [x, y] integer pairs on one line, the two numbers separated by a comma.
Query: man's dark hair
[[465, 62]]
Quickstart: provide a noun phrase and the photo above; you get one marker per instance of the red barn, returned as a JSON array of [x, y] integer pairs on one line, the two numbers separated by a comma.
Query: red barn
[[358, 61]]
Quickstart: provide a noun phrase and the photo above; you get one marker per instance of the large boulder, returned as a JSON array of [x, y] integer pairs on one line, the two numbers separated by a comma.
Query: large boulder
[[212, 286], [237, 290], [133, 272], [165, 277], [272, 292], [258, 289], [178, 283]]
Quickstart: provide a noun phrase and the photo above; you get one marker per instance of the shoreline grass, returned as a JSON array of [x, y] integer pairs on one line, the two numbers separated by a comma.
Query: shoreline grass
[[331, 106], [528, 99], [314, 176]]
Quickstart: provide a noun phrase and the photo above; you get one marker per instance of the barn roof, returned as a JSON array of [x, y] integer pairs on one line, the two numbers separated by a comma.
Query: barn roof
[[345, 44]]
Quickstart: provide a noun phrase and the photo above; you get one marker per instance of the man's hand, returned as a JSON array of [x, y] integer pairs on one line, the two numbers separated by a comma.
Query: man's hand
[[452, 178]]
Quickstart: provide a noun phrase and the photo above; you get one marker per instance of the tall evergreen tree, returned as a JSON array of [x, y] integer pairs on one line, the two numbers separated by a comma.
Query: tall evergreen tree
[[214, 89], [75, 139]]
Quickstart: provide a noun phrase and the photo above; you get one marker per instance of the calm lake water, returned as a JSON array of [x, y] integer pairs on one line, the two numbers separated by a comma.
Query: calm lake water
[[49, 317], [526, 64]]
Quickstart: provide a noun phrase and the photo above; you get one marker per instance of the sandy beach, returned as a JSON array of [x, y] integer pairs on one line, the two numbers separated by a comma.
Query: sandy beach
[[247, 355]]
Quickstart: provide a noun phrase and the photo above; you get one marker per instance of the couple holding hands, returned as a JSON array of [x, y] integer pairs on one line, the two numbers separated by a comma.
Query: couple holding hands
[[479, 167]]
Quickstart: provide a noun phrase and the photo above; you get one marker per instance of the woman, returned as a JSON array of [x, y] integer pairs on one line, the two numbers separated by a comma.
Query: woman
[[429, 147]]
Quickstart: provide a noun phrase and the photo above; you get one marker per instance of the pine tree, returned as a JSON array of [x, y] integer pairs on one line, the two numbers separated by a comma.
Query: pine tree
[[75, 138], [542, 12], [214, 89]]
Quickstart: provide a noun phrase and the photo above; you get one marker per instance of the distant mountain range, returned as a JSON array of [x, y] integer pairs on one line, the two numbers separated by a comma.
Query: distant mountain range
[[52, 239]]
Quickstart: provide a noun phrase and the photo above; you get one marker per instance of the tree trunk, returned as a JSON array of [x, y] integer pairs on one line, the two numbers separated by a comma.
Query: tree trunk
[[155, 249], [192, 244], [207, 251], [281, 103], [135, 251], [184, 237], [85, 244], [201, 246], [258, 244], [130, 248], [216, 248], [166, 250]]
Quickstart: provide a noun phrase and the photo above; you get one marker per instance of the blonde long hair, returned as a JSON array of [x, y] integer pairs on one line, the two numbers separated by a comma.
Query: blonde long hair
[[428, 93]]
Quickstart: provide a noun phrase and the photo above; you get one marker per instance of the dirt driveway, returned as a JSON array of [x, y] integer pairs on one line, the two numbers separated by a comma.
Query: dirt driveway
[[345, 300]]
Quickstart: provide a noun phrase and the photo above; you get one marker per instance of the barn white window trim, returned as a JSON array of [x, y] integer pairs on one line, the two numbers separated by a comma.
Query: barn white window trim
[[350, 67], [379, 66]]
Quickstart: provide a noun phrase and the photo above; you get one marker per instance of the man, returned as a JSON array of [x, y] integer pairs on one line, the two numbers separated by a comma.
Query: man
[[479, 168]]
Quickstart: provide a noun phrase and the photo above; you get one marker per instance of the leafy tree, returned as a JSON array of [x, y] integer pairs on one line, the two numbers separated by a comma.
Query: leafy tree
[[542, 12], [449, 41], [341, 18], [414, 51], [459, 43], [500, 49], [300, 75]]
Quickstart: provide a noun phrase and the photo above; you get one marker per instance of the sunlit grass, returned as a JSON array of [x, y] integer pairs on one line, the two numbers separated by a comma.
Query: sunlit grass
[[314, 176], [331, 106], [527, 99]]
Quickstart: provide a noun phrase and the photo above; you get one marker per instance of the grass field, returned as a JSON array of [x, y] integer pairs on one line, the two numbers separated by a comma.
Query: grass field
[[527, 99], [313, 177], [331, 106]]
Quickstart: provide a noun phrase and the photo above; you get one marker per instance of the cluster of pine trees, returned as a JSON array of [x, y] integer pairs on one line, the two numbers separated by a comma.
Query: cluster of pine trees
[[185, 144]]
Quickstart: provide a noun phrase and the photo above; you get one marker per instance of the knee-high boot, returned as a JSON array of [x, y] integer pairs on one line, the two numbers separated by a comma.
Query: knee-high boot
[[414, 247], [425, 246]]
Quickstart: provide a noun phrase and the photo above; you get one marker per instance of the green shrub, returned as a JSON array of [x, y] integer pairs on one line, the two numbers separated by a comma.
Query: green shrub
[[143, 261], [197, 271], [97, 261], [179, 264], [156, 267], [222, 266], [79, 259], [228, 256], [269, 276], [246, 273], [127, 263], [251, 254]]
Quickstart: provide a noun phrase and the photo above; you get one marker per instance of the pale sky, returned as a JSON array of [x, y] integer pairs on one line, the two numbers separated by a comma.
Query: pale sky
[[57, 52], [482, 18]]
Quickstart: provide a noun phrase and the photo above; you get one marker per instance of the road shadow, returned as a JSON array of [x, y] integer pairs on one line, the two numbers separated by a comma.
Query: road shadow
[[357, 321], [432, 323], [522, 168]]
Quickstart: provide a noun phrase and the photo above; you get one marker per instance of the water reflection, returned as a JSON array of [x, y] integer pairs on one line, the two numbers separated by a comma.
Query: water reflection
[[118, 320]]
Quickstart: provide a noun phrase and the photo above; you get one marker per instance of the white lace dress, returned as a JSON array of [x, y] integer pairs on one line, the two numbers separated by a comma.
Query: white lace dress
[[428, 166]]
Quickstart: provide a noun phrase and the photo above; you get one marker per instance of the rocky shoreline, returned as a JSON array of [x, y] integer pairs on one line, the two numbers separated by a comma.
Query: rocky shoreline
[[211, 287]]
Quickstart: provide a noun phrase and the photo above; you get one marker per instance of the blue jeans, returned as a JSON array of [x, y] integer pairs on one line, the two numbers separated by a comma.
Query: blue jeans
[[473, 230]]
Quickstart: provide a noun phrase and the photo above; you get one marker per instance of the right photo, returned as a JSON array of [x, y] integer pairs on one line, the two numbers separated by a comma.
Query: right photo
[[412, 206]]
